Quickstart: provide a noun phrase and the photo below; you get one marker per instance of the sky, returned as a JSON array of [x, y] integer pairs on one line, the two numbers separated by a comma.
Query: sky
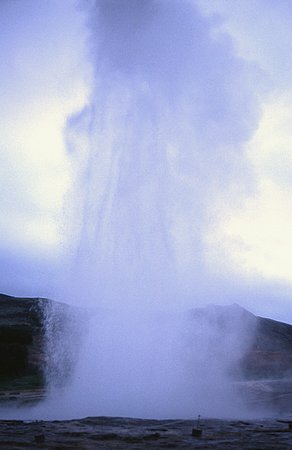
[[62, 65]]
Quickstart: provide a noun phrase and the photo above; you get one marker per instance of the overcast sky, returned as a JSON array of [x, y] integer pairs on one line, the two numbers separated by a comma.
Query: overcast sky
[[48, 74]]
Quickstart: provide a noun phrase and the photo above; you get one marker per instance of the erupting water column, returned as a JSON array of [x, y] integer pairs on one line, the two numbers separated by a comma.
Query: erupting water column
[[171, 108]]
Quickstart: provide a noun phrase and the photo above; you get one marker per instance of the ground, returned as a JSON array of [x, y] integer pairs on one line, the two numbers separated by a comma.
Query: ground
[[123, 433]]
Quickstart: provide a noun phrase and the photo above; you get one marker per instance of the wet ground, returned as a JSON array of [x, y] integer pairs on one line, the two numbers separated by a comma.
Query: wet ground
[[123, 433]]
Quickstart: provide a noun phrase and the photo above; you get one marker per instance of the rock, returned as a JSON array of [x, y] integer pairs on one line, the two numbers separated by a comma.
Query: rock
[[30, 331], [21, 342], [264, 345], [196, 432], [40, 438], [270, 353]]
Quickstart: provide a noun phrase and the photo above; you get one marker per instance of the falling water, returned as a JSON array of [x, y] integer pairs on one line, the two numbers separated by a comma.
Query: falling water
[[171, 107]]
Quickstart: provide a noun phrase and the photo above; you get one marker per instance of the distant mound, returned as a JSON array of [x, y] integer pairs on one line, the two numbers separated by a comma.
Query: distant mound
[[257, 353], [270, 355], [265, 344]]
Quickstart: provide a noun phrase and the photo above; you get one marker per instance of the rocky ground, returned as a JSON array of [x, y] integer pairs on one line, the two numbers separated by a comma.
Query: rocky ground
[[32, 331], [122, 433]]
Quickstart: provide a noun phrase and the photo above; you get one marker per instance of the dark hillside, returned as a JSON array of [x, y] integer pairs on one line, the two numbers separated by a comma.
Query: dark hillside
[[21, 341]]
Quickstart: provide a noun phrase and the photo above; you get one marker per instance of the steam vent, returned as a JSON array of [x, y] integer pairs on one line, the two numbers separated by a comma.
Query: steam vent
[[263, 373]]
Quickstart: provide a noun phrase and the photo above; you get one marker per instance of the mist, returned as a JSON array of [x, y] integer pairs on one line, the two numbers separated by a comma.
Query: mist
[[151, 122], [169, 111]]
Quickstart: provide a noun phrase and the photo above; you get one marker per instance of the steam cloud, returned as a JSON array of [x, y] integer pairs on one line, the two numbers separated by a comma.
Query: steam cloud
[[170, 109]]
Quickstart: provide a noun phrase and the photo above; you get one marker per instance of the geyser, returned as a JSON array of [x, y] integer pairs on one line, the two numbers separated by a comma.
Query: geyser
[[161, 138], [170, 109]]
